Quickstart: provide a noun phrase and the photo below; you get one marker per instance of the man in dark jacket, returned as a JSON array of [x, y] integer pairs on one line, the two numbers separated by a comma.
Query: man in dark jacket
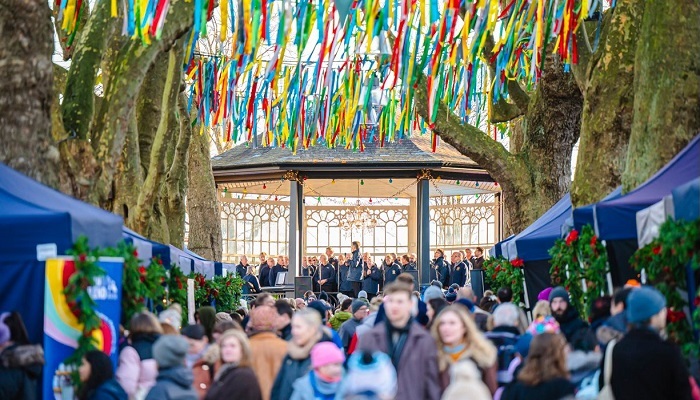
[[370, 277], [356, 269], [478, 261], [459, 270], [242, 267], [280, 267], [174, 378], [572, 326], [391, 271], [283, 322], [325, 276], [411, 348], [347, 329], [250, 282], [441, 268], [265, 271], [644, 366]]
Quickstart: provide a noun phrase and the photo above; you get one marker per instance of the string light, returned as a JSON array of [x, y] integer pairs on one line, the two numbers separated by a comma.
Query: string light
[[362, 181], [264, 186], [245, 190], [332, 181], [477, 184], [457, 181], [391, 180]]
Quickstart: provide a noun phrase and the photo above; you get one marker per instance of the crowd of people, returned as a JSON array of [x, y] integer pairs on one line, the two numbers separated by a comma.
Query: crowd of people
[[400, 344]]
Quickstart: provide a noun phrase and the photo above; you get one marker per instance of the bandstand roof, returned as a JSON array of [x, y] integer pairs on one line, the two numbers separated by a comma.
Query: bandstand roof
[[258, 168]]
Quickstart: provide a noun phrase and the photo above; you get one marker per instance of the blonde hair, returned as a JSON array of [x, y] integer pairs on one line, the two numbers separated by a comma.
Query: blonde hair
[[144, 322], [310, 317], [246, 353], [541, 309], [479, 348]]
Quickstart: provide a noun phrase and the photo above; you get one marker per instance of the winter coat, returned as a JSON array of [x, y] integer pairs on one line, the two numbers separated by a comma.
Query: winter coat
[[465, 378], [345, 284], [391, 272], [303, 388], [478, 262], [173, 384], [555, 389], [504, 338], [19, 375], [241, 270], [370, 283], [203, 373], [489, 375], [296, 363], [443, 271], [273, 273], [417, 370], [338, 319], [645, 367], [268, 351], [347, 330], [356, 265], [108, 390], [235, 383], [326, 272], [459, 274], [265, 275], [251, 284], [614, 327], [576, 330], [137, 370]]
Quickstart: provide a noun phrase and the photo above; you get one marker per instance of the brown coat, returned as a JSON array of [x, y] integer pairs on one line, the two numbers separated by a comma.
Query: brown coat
[[418, 369], [268, 351], [203, 376]]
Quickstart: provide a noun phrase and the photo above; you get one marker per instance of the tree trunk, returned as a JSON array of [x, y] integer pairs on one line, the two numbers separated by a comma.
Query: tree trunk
[[26, 90], [666, 87], [608, 106], [202, 202]]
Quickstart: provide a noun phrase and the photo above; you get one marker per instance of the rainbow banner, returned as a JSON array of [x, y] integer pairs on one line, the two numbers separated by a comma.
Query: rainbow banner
[[61, 327]]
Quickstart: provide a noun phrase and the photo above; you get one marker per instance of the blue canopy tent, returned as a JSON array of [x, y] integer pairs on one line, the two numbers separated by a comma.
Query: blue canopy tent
[[147, 248], [202, 265], [584, 215], [497, 249], [32, 214], [532, 246], [686, 201]]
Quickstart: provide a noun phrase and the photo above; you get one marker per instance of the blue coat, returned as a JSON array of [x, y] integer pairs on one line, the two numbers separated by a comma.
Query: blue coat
[[108, 390], [356, 264], [459, 274], [345, 285], [443, 271], [251, 284], [391, 272], [241, 270], [326, 272], [273, 273], [370, 283], [173, 384]]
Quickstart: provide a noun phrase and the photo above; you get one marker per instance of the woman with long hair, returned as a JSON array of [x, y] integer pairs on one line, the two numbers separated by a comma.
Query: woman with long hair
[[306, 332], [545, 375], [137, 371], [20, 361], [97, 377], [458, 339], [235, 378]]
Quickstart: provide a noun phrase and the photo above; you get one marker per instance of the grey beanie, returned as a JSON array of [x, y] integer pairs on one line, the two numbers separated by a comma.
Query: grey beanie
[[644, 303], [170, 351], [432, 292], [357, 304], [362, 294], [559, 291]]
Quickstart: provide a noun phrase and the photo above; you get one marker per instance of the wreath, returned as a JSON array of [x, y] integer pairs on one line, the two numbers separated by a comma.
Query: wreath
[[222, 292], [500, 272], [664, 261], [578, 258]]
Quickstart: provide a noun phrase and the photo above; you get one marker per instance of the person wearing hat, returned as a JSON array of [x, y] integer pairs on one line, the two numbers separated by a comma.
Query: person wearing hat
[[267, 349], [174, 378], [347, 330], [432, 292], [197, 358], [325, 377], [572, 326], [645, 366]]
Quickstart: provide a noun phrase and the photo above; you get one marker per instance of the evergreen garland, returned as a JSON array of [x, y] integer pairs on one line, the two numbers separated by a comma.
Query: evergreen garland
[[577, 258], [664, 261], [500, 272]]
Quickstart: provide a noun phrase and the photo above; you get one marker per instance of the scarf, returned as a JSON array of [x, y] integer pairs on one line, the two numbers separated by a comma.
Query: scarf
[[396, 345], [455, 353]]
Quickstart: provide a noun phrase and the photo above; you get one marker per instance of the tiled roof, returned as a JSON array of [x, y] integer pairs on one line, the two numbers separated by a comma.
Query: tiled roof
[[416, 149]]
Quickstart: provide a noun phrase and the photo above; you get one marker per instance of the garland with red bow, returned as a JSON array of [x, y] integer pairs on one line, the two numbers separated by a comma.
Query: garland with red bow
[[222, 291], [500, 272], [579, 258], [664, 261]]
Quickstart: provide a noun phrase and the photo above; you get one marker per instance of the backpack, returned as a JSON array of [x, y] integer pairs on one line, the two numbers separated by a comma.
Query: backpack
[[505, 344]]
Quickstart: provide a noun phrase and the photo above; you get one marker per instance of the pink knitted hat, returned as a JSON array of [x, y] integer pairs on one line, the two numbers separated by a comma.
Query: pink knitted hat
[[325, 353]]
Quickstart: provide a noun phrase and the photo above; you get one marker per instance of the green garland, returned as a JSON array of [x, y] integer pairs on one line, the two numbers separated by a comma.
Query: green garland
[[584, 257], [133, 291], [500, 272], [79, 300], [176, 283], [153, 279], [664, 261], [225, 292]]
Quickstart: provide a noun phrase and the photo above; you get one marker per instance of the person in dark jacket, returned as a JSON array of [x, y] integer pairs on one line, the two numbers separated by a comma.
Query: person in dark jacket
[[97, 375], [280, 267], [572, 326], [644, 366], [264, 273], [370, 277], [251, 284], [504, 336], [174, 380], [331, 258], [242, 267], [411, 348], [347, 329], [20, 362], [235, 378], [344, 285], [441, 269], [306, 332], [325, 276], [392, 270], [545, 375], [283, 322], [355, 269], [478, 260], [614, 327], [459, 270]]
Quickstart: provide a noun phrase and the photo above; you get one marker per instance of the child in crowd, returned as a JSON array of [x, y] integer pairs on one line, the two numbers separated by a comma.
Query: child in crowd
[[323, 381]]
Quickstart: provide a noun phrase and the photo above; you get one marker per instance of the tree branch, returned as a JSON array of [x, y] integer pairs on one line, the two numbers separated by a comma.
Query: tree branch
[[502, 110]]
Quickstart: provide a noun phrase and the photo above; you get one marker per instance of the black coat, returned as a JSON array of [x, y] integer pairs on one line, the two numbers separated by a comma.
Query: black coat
[[345, 285], [576, 330], [443, 271], [391, 272], [274, 271], [18, 379], [459, 274], [265, 275], [645, 367], [235, 383], [478, 262], [555, 389], [326, 272], [251, 284], [370, 283], [241, 270]]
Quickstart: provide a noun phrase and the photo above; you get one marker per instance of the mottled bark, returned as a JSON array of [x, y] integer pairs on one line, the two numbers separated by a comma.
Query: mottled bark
[[202, 202], [176, 178], [148, 108], [608, 106], [26, 90], [128, 180], [666, 87]]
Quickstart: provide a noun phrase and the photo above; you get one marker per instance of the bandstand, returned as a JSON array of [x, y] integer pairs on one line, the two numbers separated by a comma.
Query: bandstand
[[400, 197]]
